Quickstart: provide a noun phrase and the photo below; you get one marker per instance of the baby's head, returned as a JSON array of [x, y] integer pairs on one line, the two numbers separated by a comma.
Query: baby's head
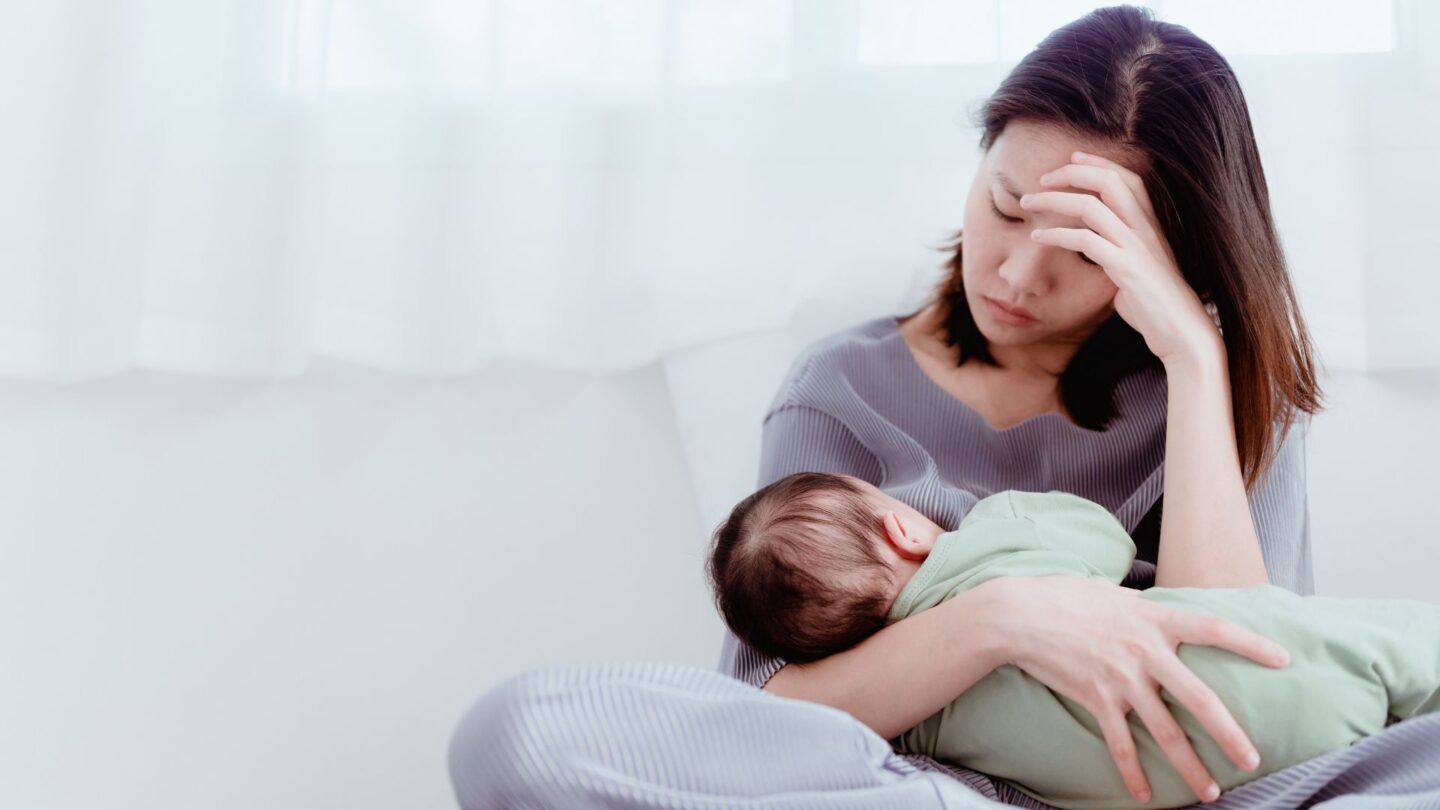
[[810, 565]]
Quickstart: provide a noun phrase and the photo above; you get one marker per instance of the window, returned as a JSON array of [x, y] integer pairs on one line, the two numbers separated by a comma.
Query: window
[[480, 46]]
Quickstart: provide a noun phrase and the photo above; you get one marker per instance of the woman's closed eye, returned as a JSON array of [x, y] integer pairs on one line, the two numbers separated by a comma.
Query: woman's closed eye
[[1003, 216]]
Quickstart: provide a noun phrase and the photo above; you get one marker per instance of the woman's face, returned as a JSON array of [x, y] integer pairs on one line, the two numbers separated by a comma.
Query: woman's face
[[1066, 296]]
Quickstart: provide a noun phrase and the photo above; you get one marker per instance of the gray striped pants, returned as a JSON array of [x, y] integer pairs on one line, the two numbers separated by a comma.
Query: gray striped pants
[[654, 735]]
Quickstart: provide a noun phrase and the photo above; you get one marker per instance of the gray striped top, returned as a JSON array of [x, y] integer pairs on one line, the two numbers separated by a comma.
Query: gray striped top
[[856, 402]]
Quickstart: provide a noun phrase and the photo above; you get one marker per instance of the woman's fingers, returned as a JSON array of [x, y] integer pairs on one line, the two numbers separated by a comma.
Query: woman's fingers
[[1132, 206], [1213, 631], [1093, 211], [1131, 180], [1122, 749], [1172, 740], [1192, 693], [1081, 240]]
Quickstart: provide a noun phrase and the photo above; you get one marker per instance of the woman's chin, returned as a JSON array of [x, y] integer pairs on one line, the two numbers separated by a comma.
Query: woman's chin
[[1001, 335]]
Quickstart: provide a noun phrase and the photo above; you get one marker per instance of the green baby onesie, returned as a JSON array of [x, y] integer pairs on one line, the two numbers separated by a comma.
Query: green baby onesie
[[1354, 662]]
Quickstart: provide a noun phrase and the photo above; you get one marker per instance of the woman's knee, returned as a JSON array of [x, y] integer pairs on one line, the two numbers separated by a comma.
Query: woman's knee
[[581, 735], [493, 746], [525, 741]]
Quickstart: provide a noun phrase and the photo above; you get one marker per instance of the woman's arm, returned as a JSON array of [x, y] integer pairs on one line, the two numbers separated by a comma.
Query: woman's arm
[[908, 671], [1207, 537], [1087, 639]]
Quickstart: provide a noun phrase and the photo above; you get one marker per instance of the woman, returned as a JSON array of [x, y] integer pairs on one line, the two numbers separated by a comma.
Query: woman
[[1120, 202]]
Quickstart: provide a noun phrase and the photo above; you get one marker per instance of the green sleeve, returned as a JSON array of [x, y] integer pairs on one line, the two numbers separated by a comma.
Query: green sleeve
[[1030, 534]]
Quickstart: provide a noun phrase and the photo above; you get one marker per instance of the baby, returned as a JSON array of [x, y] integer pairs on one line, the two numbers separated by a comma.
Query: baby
[[814, 563]]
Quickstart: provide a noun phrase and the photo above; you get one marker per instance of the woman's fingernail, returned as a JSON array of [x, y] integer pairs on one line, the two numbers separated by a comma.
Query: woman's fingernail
[[1252, 760], [1212, 793], [1143, 796], [1079, 156], [1035, 234]]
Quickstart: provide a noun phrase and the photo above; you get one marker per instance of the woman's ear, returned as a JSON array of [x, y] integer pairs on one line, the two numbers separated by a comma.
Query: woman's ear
[[906, 544]]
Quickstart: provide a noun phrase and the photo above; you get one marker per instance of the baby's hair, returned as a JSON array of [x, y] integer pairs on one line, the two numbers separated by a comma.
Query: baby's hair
[[796, 571]]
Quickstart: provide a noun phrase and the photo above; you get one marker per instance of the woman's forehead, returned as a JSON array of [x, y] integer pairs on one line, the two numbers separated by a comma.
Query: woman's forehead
[[1026, 150]]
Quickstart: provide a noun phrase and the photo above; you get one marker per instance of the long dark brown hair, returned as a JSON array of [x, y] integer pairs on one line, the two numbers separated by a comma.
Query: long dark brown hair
[[1173, 106]]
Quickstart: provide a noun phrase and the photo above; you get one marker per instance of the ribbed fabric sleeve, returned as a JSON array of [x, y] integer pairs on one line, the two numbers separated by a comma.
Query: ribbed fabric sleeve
[[1280, 507]]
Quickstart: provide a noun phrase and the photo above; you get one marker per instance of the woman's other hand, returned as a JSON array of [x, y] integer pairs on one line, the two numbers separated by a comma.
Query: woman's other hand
[[1123, 235], [1101, 646]]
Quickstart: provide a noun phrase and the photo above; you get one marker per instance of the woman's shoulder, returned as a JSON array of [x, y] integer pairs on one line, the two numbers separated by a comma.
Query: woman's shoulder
[[824, 368]]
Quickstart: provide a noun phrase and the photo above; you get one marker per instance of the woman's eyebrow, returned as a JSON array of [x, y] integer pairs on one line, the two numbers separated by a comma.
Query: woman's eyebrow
[[1006, 184]]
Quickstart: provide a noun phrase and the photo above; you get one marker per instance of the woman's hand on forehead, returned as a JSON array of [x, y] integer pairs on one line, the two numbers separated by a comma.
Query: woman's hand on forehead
[[1123, 236]]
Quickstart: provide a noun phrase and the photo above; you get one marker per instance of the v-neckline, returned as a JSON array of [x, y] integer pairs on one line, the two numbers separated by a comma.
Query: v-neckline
[[912, 365]]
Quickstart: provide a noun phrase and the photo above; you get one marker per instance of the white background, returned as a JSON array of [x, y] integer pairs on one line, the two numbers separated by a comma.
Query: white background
[[318, 419]]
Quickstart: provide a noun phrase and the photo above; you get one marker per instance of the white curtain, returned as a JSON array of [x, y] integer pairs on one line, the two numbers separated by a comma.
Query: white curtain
[[232, 187]]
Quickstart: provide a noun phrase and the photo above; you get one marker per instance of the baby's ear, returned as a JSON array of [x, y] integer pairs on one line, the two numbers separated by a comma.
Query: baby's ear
[[895, 529], [905, 544]]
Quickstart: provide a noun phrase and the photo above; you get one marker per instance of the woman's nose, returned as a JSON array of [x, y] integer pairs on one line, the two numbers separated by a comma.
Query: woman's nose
[[1025, 270]]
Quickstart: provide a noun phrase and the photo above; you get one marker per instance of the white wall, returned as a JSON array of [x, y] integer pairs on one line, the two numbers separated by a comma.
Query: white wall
[[240, 595], [224, 595], [1372, 468]]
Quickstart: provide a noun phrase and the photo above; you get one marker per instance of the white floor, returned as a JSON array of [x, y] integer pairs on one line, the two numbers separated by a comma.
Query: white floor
[[236, 595]]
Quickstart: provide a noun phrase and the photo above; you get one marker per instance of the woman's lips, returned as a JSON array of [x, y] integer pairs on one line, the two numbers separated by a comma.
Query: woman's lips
[[1008, 316]]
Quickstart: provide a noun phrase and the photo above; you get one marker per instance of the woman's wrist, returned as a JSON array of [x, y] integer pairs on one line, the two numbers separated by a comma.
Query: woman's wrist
[[1203, 355], [985, 610]]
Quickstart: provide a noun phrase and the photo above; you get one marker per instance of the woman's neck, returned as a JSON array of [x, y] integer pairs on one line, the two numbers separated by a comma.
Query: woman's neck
[[1037, 366]]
